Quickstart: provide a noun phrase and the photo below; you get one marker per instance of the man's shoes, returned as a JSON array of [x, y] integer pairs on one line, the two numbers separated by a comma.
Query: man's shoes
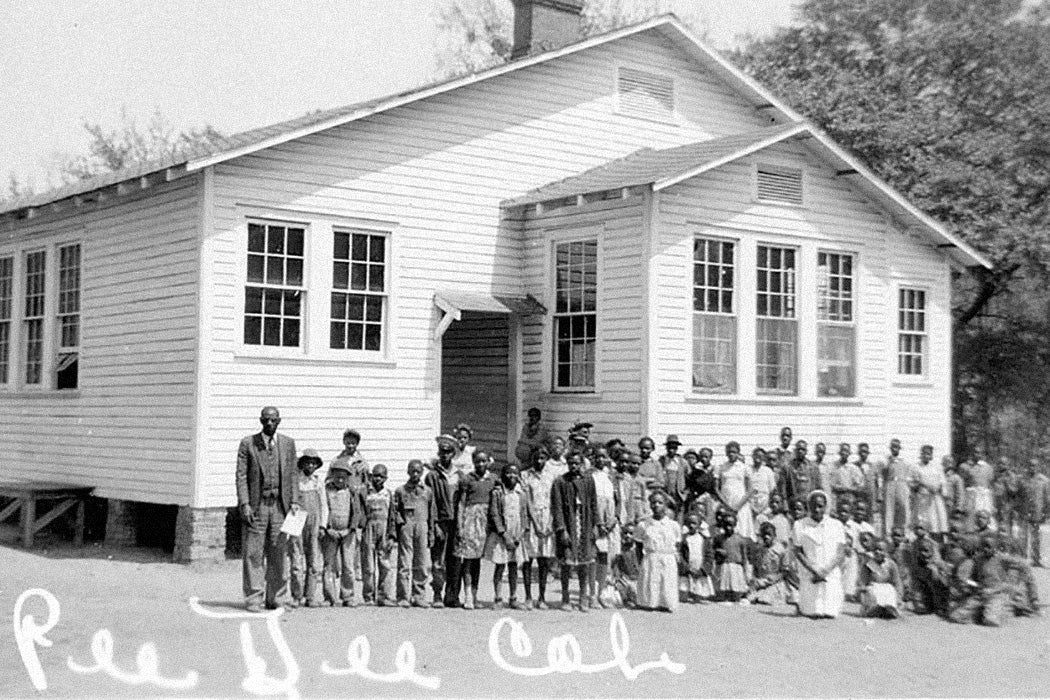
[[437, 604], [403, 603], [350, 603], [541, 604], [253, 608]]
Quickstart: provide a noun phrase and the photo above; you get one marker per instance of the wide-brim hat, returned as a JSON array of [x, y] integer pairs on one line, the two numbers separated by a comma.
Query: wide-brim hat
[[447, 439], [339, 467], [310, 454], [580, 425], [672, 439]]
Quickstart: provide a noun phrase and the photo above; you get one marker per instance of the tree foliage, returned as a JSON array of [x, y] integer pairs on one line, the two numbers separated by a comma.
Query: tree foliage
[[949, 101], [478, 34], [111, 149]]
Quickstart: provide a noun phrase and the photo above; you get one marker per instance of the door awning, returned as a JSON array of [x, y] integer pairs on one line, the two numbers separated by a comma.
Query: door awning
[[454, 302]]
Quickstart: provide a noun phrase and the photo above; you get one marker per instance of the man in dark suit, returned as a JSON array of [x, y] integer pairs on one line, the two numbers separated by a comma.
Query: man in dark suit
[[267, 490]]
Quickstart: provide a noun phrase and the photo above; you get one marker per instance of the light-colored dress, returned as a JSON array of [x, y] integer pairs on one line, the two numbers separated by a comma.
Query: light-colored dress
[[496, 549], [761, 482], [930, 486], [603, 486], [820, 542], [699, 579], [464, 459], [979, 496], [555, 467], [539, 538], [733, 486], [658, 584]]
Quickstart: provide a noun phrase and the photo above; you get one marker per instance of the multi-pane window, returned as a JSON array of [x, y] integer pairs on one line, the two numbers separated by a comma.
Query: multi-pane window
[[33, 316], [273, 295], [714, 319], [776, 352], [836, 332], [7, 288], [359, 293], [67, 367], [575, 314], [911, 332]]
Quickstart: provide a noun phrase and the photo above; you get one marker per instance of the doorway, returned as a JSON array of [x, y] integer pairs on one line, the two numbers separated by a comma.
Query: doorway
[[475, 379]]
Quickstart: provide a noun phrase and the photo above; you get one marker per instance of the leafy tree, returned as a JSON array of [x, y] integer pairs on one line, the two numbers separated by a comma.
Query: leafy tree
[[949, 101], [112, 149], [478, 34]]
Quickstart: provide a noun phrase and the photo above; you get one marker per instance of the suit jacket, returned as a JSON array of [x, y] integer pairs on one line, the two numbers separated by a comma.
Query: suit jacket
[[249, 470]]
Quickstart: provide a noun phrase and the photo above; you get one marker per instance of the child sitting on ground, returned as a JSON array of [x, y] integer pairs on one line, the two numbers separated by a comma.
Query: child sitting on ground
[[768, 585], [508, 520], [625, 571], [880, 584], [697, 559]]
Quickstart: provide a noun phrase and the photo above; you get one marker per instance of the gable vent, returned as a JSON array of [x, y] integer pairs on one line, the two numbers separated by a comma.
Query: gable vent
[[646, 95], [777, 184]]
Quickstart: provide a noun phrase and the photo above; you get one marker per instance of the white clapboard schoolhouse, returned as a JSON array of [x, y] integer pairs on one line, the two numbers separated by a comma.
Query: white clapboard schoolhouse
[[624, 228]]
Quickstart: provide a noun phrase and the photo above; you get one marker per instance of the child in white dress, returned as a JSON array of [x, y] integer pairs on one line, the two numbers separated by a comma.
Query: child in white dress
[[660, 537]]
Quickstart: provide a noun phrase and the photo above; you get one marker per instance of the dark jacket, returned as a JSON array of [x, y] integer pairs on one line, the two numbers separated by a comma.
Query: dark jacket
[[249, 470], [564, 494]]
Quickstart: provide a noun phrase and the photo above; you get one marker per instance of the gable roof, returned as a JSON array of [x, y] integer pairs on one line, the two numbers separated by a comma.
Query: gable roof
[[248, 142], [667, 167]]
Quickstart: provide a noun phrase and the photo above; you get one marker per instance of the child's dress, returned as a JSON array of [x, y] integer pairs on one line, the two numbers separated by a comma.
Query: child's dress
[[608, 539], [733, 482], [768, 584], [880, 588], [508, 518], [696, 555], [658, 585], [472, 512], [732, 570], [539, 535]]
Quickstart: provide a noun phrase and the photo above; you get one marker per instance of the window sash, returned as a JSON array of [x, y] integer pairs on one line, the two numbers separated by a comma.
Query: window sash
[[912, 344], [776, 290], [358, 308], [836, 360], [776, 356], [7, 270], [575, 320], [274, 291], [714, 353], [35, 275]]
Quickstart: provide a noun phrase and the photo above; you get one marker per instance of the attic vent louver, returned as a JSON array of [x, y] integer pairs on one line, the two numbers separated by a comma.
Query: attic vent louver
[[779, 184], [646, 95]]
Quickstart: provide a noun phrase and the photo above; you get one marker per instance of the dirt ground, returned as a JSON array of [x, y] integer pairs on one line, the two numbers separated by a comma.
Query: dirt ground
[[725, 650]]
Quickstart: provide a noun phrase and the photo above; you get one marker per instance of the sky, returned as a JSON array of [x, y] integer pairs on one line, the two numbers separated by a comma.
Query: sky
[[235, 64]]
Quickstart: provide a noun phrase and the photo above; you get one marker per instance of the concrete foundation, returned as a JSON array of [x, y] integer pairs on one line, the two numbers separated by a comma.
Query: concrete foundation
[[120, 523], [200, 534]]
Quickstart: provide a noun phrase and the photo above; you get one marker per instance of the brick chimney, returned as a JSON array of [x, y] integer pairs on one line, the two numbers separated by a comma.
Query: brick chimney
[[542, 25]]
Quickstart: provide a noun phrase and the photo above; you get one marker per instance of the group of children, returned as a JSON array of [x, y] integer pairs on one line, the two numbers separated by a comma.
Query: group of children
[[640, 530]]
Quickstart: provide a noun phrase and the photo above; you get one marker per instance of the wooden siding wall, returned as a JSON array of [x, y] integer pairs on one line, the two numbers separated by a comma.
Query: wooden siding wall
[[834, 217], [436, 170], [129, 428], [475, 354], [616, 406]]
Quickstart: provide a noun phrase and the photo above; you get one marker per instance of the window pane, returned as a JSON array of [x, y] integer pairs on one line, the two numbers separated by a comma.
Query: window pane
[[359, 276], [375, 278], [341, 275], [255, 268], [274, 270], [291, 332], [341, 246], [714, 353], [337, 336], [275, 240], [354, 333], [374, 309], [271, 331], [360, 247], [252, 330], [373, 335], [776, 357], [294, 275], [835, 360], [377, 249], [295, 242], [355, 307], [256, 238]]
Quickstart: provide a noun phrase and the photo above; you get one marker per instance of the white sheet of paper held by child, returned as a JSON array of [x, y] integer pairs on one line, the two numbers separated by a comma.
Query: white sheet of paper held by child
[[294, 523]]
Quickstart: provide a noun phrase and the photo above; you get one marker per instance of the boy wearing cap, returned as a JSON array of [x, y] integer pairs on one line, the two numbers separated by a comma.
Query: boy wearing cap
[[443, 481], [377, 544], [306, 558], [674, 467], [345, 519], [414, 512]]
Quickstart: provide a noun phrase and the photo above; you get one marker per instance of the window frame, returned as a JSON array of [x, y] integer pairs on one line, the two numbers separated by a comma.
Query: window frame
[[925, 356], [59, 346], [41, 318], [245, 254], [9, 349], [838, 323], [795, 317], [554, 239], [384, 323], [320, 226], [735, 315]]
